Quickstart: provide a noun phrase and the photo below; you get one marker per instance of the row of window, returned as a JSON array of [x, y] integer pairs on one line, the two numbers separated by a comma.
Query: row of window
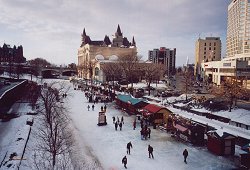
[[208, 49], [210, 44]]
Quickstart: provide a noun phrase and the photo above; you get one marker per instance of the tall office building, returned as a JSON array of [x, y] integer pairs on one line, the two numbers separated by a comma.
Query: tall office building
[[238, 28], [164, 56], [206, 50]]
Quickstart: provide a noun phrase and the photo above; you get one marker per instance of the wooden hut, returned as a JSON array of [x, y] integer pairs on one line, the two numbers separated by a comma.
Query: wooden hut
[[157, 114], [221, 143], [129, 103]]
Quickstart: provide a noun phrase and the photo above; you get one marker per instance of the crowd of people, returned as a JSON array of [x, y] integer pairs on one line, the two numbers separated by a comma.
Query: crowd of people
[[145, 131]]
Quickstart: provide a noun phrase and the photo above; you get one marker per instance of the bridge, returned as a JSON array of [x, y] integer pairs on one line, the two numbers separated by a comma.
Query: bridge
[[45, 72]]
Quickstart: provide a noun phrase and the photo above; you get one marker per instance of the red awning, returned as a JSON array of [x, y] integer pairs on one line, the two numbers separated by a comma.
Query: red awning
[[145, 113], [181, 128]]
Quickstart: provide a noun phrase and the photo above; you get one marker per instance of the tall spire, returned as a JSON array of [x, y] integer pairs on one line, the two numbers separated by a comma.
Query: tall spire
[[84, 33], [118, 32], [133, 42]]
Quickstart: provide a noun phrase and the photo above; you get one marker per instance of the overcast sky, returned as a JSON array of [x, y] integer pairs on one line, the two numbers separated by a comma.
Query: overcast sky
[[51, 29]]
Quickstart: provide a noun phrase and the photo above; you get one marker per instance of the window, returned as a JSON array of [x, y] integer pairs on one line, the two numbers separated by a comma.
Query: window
[[205, 44], [209, 48], [204, 52], [205, 48], [214, 43], [214, 48], [209, 44]]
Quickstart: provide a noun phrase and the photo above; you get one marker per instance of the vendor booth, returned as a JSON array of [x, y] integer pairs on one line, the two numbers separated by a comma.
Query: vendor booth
[[221, 143], [129, 103], [156, 114]]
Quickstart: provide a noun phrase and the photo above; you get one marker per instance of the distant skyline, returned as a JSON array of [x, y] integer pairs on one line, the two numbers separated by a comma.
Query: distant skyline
[[51, 29]]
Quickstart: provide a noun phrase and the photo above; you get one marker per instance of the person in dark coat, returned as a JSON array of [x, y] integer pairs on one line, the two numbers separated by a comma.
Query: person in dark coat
[[185, 154], [142, 135], [93, 107], [122, 120], [150, 151], [120, 125], [134, 124], [116, 125], [129, 145], [149, 131], [102, 108], [88, 107], [113, 119], [124, 161], [118, 119], [105, 108]]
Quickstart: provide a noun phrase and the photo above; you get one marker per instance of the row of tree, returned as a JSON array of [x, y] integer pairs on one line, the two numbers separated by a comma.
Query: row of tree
[[128, 69]]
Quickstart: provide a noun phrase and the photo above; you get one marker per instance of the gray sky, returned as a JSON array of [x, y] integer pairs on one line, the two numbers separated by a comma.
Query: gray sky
[[51, 29]]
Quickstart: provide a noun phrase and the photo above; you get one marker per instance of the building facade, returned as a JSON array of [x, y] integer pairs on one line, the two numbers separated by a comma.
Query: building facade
[[11, 55], [236, 65], [238, 28], [164, 56], [206, 50], [90, 50]]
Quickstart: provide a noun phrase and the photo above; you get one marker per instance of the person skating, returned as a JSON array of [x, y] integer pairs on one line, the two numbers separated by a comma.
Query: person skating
[[105, 108], [134, 124], [122, 120], [129, 145], [185, 154], [120, 125], [150, 151], [116, 125], [102, 108], [149, 132], [93, 107], [118, 119], [113, 119], [88, 107], [124, 161]]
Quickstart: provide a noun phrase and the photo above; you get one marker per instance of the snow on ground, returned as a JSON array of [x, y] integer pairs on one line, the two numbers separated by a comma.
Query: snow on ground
[[101, 147], [109, 146]]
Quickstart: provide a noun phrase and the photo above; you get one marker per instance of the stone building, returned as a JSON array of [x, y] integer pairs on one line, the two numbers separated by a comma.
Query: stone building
[[13, 55], [90, 50], [206, 50]]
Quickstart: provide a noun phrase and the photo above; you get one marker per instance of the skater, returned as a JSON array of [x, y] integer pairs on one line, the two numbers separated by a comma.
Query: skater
[[93, 107], [113, 119], [185, 154], [124, 161], [150, 151], [149, 131], [88, 107], [120, 125], [129, 145], [122, 121], [102, 108], [105, 108], [134, 124], [118, 119], [116, 125], [142, 134]]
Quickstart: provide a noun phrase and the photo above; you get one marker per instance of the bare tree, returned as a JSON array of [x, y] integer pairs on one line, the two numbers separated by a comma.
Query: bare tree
[[187, 81], [153, 72], [230, 90], [129, 66], [112, 71], [54, 138]]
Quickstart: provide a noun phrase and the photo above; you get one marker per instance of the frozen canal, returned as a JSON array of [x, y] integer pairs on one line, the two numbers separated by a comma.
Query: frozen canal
[[108, 146]]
